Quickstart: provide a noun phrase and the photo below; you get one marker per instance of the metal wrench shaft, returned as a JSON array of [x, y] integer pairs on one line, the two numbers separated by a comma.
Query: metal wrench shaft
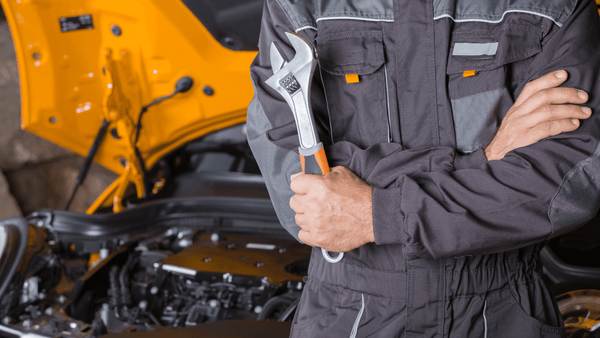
[[292, 80]]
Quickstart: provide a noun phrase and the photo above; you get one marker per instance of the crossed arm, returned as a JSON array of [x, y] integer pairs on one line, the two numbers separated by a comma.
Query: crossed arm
[[335, 211]]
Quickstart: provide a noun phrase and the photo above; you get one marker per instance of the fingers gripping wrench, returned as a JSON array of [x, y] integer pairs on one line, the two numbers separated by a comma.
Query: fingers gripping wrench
[[292, 80]]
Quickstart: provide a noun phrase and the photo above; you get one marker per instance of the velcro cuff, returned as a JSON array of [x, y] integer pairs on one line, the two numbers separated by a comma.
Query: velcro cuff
[[388, 223]]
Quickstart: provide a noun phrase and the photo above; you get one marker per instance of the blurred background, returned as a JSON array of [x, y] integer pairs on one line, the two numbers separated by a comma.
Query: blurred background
[[34, 173]]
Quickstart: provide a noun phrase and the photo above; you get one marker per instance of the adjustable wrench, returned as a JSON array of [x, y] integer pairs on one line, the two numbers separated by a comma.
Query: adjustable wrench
[[292, 80]]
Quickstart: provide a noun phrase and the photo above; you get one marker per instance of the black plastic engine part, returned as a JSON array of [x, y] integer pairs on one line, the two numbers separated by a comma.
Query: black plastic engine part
[[234, 23]]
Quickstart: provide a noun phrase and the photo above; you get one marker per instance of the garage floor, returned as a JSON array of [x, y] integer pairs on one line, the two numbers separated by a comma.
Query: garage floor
[[35, 173]]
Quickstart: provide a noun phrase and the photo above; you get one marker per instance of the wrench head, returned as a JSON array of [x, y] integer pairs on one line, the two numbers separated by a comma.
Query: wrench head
[[305, 54], [292, 81]]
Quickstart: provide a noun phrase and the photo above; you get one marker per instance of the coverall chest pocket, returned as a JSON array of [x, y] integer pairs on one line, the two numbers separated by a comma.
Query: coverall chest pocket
[[353, 72], [484, 67]]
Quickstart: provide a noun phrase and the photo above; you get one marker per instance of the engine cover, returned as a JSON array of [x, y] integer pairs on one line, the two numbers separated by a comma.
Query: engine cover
[[241, 260]]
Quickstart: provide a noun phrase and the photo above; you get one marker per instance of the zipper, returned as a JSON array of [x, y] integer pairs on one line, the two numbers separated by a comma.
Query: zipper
[[326, 104], [358, 317], [387, 101]]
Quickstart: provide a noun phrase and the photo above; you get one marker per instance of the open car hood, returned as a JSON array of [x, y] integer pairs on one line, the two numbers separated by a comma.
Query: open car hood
[[84, 61]]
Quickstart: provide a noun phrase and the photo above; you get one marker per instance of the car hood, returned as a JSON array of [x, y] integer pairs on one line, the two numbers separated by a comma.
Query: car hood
[[84, 61]]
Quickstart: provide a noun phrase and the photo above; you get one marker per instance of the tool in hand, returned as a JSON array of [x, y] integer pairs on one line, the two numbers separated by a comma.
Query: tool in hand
[[293, 80]]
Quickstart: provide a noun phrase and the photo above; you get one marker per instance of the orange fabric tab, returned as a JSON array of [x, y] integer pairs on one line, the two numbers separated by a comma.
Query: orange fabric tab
[[352, 78], [468, 73]]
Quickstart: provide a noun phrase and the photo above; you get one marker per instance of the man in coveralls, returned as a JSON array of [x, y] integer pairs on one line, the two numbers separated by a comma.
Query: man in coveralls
[[446, 185]]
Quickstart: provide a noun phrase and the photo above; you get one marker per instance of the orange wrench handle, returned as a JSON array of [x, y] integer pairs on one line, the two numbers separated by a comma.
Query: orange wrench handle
[[315, 164]]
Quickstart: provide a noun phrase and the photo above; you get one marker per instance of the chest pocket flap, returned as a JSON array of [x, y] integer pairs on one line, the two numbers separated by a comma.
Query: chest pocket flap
[[355, 52], [486, 50], [358, 108]]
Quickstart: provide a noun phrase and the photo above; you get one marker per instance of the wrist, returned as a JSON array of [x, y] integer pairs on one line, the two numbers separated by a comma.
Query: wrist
[[488, 153], [491, 154]]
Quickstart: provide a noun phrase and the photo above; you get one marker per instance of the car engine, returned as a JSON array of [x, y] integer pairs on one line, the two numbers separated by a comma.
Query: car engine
[[150, 278]]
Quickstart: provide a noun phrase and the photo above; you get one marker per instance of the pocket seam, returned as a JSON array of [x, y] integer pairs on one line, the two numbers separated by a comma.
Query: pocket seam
[[361, 68], [461, 65], [525, 315], [457, 65], [325, 315]]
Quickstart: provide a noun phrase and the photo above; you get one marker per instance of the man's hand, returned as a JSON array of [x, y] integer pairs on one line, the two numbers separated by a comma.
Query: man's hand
[[540, 111], [334, 211]]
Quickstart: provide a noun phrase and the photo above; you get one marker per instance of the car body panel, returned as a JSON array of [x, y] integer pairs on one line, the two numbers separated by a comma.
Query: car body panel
[[87, 60]]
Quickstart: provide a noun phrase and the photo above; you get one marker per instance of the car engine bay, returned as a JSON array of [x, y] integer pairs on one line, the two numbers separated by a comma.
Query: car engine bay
[[167, 277]]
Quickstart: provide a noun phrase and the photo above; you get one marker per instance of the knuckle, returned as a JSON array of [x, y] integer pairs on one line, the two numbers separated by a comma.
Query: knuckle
[[320, 239], [293, 202], [573, 111], [544, 129], [529, 88], [546, 110], [544, 95], [303, 236], [322, 186], [558, 127]]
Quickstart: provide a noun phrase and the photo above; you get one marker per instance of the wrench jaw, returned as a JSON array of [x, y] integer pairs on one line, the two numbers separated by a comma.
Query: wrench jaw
[[277, 60], [292, 81], [302, 45]]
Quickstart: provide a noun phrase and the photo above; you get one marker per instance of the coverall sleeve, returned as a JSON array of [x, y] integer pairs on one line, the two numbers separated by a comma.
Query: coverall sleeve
[[270, 123], [534, 193]]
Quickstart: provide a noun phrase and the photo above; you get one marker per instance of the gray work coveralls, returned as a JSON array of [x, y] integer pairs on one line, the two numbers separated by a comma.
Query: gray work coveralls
[[456, 237]]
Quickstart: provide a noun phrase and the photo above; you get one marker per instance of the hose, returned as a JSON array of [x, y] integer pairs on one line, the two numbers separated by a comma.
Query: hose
[[289, 311], [273, 305], [124, 281], [114, 300]]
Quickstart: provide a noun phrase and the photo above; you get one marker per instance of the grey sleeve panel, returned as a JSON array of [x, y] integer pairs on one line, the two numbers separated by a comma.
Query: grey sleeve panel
[[578, 198], [276, 164], [494, 11], [308, 12], [270, 123]]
